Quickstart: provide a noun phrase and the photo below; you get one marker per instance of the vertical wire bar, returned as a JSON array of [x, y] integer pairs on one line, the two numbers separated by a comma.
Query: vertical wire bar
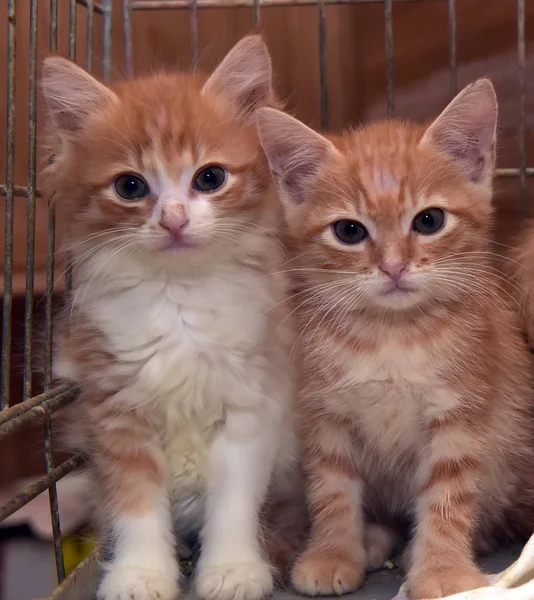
[[127, 37], [193, 25], [107, 45], [522, 117], [89, 36], [388, 14], [8, 243], [50, 239], [452, 47], [322, 64], [54, 506], [50, 266], [30, 227], [72, 55], [256, 13], [53, 26], [72, 29]]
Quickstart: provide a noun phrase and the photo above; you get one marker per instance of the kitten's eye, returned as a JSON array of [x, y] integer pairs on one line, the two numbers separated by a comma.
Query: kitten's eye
[[350, 232], [429, 221], [131, 187], [209, 179]]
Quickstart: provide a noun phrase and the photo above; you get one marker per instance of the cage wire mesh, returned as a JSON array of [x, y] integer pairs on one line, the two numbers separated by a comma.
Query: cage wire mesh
[[15, 412]]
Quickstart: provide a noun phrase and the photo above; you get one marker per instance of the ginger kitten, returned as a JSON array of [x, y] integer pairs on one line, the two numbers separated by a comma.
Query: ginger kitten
[[416, 402], [185, 375]]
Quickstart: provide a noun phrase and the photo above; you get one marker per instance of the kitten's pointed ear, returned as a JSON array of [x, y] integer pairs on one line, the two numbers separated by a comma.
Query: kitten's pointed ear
[[466, 131], [295, 152], [71, 94], [245, 75]]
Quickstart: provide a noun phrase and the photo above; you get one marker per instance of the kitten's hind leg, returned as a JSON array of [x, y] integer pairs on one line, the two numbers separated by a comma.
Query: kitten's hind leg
[[285, 522], [379, 542]]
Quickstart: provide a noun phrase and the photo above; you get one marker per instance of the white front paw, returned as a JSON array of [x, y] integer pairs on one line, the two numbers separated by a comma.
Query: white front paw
[[130, 583], [234, 581]]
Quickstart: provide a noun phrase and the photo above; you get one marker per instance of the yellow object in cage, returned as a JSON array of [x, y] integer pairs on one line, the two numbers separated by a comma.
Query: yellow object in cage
[[75, 549]]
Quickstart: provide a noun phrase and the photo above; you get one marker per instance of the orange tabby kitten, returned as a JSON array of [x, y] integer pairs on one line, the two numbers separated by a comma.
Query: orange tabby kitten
[[415, 400], [185, 375]]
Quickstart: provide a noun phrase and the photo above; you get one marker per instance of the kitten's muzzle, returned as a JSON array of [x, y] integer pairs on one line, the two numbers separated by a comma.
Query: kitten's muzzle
[[174, 219]]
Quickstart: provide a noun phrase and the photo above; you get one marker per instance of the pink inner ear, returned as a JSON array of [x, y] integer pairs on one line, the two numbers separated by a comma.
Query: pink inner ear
[[465, 130], [295, 151]]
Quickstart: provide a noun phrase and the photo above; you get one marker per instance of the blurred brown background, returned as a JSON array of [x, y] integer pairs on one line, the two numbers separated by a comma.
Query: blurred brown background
[[356, 77]]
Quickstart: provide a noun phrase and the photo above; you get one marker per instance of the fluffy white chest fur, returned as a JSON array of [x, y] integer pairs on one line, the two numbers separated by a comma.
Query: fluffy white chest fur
[[188, 347]]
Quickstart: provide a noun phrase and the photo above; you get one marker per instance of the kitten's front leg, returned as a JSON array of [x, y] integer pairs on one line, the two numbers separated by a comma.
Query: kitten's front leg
[[442, 552], [130, 470], [334, 561], [241, 463]]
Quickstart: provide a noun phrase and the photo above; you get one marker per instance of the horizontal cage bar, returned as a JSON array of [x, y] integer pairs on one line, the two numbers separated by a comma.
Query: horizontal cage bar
[[174, 4], [94, 6], [40, 486]]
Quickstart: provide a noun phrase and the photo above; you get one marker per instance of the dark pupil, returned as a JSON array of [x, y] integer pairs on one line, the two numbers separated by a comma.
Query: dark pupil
[[351, 230], [209, 177], [427, 220], [131, 186]]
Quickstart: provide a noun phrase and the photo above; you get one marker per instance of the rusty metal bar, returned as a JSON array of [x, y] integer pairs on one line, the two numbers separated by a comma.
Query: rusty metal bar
[[18, 191], [322, 64], [256, 13], [37, 412], [89, 36], [72, 55], [173, 4], [52, 492], [95, 7], [513, 172], [107, 45], [452, 47], [53, 26], [522, 116], [193, 28], [30, 222], [13, 413], [388, 15], [42, 484], [72, 29], [50, 237], [127, 37], [8, 242]]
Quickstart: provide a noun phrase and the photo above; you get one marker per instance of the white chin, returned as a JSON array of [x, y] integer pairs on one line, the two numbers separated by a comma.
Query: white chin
[[398, 300]]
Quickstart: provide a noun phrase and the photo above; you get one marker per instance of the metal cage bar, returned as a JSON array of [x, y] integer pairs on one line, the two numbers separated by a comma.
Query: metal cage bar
[[522, 116], [9, 191]]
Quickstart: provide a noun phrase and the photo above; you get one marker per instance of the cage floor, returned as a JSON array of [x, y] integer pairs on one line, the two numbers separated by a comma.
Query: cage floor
[[382, 585]]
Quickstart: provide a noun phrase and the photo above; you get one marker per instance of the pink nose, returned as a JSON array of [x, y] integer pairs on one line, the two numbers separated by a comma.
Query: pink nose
[[393, 268], [174, 219]]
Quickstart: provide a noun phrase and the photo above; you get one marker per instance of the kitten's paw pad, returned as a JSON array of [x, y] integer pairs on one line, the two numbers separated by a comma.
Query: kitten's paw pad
[[444, 582], [121, 583], [379, 542], [326, 575], [235, 581]]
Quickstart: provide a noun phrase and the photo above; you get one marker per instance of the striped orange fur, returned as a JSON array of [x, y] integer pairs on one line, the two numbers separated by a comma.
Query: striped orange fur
[[415, 403]]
